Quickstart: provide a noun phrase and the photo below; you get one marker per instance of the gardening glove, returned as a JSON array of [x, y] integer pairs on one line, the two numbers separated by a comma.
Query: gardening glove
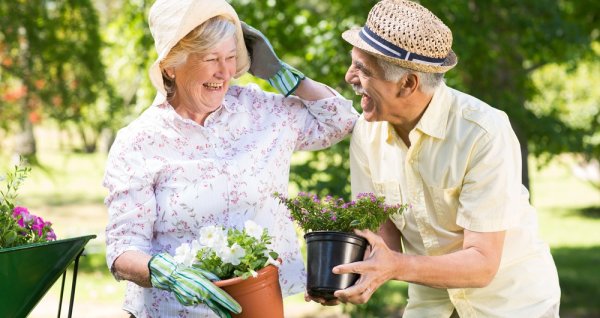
[[190, 286], [266, 65]]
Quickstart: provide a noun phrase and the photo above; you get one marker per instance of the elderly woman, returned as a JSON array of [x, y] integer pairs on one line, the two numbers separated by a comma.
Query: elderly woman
[[207, 153]]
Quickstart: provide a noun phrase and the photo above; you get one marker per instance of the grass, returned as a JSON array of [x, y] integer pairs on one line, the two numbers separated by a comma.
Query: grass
[[68, 192]]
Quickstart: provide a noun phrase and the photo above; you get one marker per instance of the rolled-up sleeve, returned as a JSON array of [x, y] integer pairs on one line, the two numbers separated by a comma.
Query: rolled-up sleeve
[[130, 201], [321, 123]]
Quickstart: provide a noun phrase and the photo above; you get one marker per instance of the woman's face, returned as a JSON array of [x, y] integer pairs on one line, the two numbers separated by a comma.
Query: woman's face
[[202, 81]]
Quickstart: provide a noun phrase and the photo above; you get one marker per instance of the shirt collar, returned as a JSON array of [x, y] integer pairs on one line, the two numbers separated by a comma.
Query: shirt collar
[[435, 118], [230, 104]]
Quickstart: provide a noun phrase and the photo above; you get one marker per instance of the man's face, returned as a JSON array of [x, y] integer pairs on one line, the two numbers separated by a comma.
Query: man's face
[[367, 79]]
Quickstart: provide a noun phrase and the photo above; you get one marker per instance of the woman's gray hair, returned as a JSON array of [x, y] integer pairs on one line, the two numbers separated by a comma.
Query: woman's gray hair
[[394, 73], [200, 40]]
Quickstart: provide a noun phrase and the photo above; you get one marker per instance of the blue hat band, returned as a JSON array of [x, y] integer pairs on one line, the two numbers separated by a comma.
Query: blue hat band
[[391, 50]]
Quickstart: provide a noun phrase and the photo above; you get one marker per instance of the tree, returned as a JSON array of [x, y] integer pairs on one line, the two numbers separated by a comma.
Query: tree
[[128, 52], [307, 35], [50, 53], [501, 43]]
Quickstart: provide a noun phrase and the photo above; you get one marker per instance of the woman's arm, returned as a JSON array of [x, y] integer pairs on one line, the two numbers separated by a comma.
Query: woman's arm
[[312, 90], [133, 266], [131, 207]]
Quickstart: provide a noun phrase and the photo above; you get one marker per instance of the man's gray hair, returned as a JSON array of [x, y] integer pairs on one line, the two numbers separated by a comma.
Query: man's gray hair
[[394, 73]]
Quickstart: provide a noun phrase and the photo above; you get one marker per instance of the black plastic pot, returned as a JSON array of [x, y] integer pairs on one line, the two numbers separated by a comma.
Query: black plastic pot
[[325, 250]]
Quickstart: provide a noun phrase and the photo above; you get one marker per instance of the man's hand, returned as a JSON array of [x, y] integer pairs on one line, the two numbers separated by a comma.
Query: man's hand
[[377, 268]]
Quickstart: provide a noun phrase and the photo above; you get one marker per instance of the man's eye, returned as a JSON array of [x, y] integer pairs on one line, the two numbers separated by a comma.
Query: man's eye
[[363, 72]]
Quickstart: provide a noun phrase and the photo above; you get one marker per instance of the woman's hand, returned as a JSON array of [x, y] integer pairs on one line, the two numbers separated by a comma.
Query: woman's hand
[[189, 285], [265, 64]]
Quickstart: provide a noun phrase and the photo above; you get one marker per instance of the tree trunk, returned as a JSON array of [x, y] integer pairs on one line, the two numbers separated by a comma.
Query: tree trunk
[[25, 145]]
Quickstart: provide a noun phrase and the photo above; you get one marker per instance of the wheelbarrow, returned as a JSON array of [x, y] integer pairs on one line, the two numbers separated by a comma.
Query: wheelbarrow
[[28, 271]]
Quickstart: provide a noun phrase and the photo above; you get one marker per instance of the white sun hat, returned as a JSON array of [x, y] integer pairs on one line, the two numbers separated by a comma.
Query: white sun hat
[[171, 20]]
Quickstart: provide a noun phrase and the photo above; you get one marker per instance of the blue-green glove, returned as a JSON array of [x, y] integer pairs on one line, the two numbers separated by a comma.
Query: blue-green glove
[[190, 286], [265, 64]]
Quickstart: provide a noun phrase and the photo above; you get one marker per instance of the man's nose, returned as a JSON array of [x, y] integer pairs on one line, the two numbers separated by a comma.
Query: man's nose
[[351, 76]]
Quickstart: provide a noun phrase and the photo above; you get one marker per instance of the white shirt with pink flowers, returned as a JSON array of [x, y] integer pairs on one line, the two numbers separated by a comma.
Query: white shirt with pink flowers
[[168, 176]]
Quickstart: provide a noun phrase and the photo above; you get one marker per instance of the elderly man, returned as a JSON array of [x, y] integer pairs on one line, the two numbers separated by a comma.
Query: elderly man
[[468, 243]]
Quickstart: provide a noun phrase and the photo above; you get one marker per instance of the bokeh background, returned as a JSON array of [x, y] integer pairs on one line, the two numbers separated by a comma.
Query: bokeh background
[[72, 72]]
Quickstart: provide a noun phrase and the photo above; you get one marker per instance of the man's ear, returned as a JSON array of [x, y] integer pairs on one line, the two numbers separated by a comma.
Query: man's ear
[[407, 85]]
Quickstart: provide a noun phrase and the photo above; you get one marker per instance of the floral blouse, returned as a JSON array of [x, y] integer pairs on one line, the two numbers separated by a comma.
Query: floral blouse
[[168, 176]]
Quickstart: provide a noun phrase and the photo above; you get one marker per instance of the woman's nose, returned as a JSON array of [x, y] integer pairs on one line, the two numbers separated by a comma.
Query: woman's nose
[[225, 70]]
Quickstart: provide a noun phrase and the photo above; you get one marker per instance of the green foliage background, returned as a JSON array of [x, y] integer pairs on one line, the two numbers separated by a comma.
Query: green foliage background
[[84, 64]]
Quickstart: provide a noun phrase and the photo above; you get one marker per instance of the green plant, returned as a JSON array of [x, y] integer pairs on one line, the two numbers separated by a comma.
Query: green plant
[[17, 225], [334, 214], [229, 253]]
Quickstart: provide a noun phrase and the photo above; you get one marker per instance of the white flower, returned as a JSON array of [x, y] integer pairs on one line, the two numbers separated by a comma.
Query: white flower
[[232, 254], [253, 229], [213, 237], [271, 261], [186, 253]]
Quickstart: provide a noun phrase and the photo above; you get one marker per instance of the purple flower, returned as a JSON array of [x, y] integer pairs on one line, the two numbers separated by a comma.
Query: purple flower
[[51, 236], [38, 225], [22, 215]]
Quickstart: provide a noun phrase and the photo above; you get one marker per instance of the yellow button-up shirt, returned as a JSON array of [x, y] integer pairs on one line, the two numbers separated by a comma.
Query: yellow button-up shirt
[[462, 171]]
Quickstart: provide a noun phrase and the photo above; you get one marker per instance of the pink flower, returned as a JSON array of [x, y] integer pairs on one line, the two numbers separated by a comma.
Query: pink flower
[[38, 225], [22, 215], [51, 236]]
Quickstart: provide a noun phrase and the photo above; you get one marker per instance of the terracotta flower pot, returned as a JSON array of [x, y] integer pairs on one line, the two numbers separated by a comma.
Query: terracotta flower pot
[[259, 296], [325, 250]]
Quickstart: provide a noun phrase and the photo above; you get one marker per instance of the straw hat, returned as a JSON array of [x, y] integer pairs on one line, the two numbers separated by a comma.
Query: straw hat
[[406, 34], [171, 20]]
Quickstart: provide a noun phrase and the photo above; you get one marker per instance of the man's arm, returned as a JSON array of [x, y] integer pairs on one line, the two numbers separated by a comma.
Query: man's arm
[[472, 267], [391, 235]]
